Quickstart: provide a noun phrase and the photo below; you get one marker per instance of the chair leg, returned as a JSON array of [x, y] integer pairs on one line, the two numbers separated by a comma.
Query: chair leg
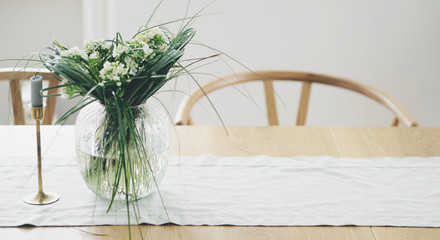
[[17, 103], [396, 122], [303, 104]]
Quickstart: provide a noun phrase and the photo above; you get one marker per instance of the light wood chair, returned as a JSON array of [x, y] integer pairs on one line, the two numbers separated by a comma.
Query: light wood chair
[[15, 76], [183, 116]]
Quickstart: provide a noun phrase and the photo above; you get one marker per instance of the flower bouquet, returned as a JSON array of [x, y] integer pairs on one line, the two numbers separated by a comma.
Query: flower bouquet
[[121, 138]]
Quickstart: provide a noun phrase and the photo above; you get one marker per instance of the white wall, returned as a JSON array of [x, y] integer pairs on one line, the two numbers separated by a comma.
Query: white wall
[[27, 26], [391, 45]]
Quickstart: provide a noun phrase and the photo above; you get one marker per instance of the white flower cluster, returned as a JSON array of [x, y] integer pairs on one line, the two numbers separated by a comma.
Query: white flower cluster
[[113, 71], [147, 50], [132, 66], [89, 45], [119, 61], [150, 34], [74, 52], [119, 50], [147, 36], [94, 55]]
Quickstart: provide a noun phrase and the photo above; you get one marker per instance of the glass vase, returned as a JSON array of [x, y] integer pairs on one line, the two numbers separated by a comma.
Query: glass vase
[[136, 172]]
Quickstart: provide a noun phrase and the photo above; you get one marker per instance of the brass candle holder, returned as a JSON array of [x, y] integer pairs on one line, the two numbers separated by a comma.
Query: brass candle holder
[[40, 197]]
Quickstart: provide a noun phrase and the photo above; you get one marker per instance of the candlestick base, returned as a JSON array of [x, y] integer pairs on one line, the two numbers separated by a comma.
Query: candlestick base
[[41, 198]]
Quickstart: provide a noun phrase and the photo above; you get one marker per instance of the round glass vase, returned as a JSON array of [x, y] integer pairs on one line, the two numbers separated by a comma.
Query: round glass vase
[[99, 155]]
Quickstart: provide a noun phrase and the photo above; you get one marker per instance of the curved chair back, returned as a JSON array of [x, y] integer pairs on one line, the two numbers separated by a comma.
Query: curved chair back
[[15, 76], [184, 112]]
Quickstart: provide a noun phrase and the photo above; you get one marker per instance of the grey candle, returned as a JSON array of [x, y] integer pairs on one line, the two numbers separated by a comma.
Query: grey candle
[[36, 86]]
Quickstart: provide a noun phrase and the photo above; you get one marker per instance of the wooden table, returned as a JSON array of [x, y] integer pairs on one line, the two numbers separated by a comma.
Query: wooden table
[[274, 141]]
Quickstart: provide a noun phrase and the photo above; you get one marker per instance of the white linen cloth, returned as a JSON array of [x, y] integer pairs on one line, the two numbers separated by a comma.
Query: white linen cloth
[[212, 190]]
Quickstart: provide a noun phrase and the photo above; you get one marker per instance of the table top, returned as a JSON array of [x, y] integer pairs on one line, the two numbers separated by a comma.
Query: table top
[[273, 141]]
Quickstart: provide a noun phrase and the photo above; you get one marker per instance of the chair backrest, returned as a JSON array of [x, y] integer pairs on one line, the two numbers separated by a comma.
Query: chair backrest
[[15, 76], [183, 116]]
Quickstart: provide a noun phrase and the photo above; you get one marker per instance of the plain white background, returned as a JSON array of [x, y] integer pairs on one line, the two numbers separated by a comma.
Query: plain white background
[[391, 45]]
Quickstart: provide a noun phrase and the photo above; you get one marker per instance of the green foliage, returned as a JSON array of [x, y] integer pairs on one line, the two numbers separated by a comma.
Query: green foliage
[[131, 70]]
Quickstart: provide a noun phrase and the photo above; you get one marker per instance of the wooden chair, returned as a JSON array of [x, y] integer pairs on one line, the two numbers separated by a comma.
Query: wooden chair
[[14, 76], [183, 116]]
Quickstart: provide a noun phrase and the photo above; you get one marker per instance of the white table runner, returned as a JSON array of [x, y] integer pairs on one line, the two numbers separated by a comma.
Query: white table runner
[[214, 190]]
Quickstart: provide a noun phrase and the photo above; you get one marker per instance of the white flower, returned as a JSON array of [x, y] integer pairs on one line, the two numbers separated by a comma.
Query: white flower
[[64, 93], [131, 65], [150, 33], [156, 31], [88, 45], [120, 69], [95, 54], [113, 71], [119, 50], [147, 50], [73, 52]]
